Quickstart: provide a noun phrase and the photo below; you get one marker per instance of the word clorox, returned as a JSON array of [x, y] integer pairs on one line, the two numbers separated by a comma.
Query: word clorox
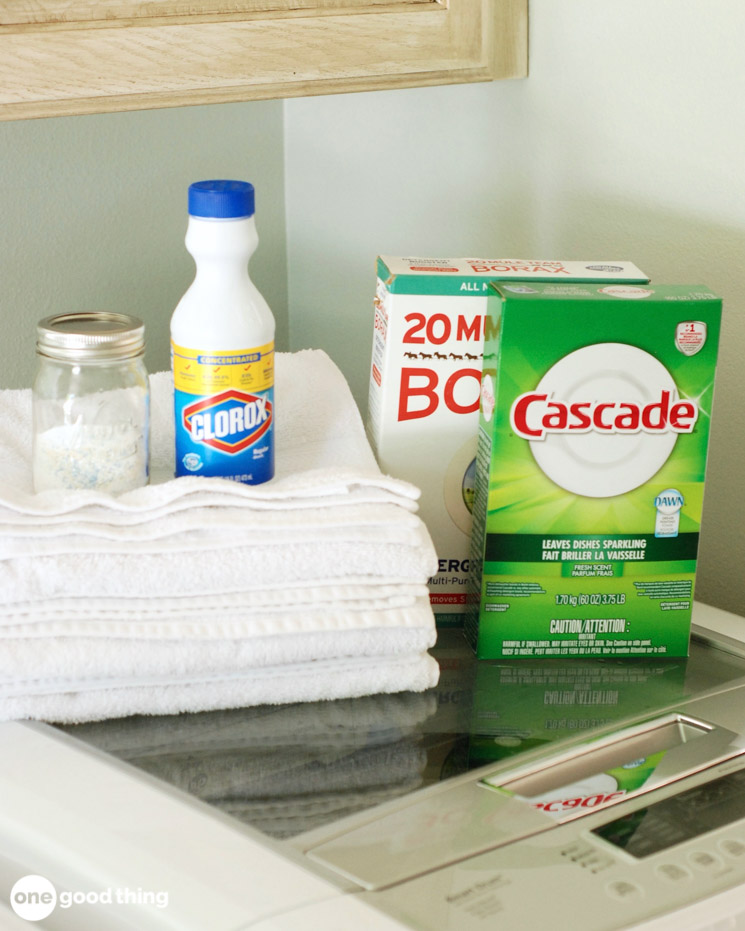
[[230, 421], [594, 425]]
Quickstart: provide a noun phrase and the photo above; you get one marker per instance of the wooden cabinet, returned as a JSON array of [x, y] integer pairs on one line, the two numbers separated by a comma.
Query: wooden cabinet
[[60, 57]]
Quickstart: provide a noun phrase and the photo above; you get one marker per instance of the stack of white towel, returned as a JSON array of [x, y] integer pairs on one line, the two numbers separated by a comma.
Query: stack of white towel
[[195, 594]]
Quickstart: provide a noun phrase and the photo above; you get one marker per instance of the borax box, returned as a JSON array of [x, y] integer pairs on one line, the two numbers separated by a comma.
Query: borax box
[[430, 317], [593, 434]]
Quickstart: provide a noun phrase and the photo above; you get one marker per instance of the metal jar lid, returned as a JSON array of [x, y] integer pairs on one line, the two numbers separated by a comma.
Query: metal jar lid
[[93, 336]]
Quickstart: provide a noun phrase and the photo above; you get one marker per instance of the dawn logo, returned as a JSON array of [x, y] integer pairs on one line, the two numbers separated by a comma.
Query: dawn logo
[[230, 421]]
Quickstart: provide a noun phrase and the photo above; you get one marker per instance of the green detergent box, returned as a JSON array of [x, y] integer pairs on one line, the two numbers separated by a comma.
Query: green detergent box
[[594, 425]]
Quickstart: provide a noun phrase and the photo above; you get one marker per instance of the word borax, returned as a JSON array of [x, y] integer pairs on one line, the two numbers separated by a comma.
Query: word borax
[[595, 411], [430, 324]]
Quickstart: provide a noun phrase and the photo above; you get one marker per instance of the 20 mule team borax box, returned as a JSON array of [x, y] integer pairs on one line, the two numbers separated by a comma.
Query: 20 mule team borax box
[[593, 435], [430, 320]]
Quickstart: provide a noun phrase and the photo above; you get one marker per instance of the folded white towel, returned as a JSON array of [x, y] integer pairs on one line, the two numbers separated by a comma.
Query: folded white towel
[[295, 682], [292, 625], [358, 594], [320, 444], [220, 524], [31, 578], [85, 663], [198, 593], [344, 491], [224, 533]]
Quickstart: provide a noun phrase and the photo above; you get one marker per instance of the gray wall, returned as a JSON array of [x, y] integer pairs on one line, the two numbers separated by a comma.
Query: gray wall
[[93, 216]]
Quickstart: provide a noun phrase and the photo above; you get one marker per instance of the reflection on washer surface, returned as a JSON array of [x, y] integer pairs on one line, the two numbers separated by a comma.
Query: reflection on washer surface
[[435, 811], [291, 768]]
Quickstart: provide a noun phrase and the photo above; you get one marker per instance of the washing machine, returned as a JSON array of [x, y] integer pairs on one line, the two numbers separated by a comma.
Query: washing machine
[[571, 794]]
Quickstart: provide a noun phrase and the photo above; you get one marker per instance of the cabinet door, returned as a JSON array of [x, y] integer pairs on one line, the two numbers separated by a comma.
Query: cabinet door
[[62, 57]]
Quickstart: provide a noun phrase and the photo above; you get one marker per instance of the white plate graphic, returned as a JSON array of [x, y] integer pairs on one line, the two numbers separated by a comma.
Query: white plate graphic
[[600, 465]]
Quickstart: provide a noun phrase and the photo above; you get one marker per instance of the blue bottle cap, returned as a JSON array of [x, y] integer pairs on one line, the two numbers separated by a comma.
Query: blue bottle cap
[[221, 199]]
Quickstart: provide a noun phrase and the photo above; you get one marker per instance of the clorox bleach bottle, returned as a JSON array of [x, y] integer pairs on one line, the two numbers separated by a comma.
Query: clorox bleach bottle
[[222, 344]]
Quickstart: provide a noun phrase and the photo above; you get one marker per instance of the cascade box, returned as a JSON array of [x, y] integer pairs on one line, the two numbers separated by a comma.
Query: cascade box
[[430, 317], [595, 412]]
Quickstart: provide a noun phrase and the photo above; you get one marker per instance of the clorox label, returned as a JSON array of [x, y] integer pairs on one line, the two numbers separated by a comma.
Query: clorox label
[[231, 421], [224, 413]]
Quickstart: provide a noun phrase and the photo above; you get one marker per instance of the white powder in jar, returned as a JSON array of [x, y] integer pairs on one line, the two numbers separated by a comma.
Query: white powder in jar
[[111, 458]]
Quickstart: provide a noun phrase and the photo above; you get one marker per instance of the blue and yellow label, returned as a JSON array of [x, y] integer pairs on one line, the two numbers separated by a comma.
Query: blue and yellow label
[[224, 413]]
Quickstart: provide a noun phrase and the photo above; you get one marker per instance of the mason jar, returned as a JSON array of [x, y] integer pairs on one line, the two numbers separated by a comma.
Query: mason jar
[[91, 403]]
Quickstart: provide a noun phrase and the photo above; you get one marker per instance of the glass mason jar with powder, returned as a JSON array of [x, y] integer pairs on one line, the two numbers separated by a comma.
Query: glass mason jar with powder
[[90, 403]]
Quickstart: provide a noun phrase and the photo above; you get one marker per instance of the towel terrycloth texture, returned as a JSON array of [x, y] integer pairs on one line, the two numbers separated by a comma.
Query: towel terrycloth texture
[[341, 677], [201, 593], [320, 444]]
